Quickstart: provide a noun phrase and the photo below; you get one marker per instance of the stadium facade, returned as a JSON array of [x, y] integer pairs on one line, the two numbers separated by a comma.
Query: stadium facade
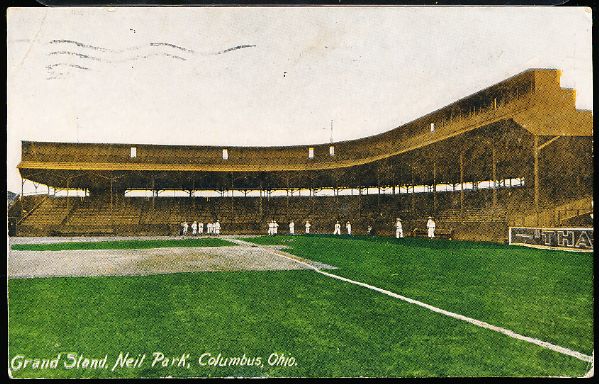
[[518, 153]]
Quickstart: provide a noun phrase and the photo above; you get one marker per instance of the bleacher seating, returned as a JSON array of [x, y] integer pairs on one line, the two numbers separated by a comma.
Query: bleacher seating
[[43, 217], [250, 215], [100, 213]]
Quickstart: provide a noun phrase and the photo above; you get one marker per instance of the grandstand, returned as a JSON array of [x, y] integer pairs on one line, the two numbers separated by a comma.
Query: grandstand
[[516, 153]]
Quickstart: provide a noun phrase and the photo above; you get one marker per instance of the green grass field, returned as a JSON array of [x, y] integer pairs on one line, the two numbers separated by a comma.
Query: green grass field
[[329, 327]]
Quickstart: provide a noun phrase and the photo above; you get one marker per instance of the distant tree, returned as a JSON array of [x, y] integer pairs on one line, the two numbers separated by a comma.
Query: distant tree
[[11, 197]]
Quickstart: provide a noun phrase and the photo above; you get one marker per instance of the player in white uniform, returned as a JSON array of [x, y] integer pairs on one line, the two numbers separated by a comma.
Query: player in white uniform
[[348, 227], [398, 229], [209, 227], [291, 227], [185, 226], [337, 230], [430, 226], [217, 228], [308, 225], [275, 227], [270, 228], [200, 228], [194, 228]]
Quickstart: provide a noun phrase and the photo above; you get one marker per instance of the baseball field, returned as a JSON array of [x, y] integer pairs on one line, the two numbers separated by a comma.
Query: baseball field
[[289, 306]]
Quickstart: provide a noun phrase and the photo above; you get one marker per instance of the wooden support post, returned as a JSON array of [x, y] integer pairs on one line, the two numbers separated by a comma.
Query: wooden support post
[[378, 195], [154, 193], [260, 201], [21, 196], [111, 181], [435, 186], [413, 201], [536, 176], [360, 200], [68, 182], [462, 183], [232, 189], [193, 187], [494, 175], [287, 197]]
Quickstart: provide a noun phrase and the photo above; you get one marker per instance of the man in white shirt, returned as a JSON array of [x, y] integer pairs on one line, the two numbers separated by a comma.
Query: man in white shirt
[[194, 228], [270, 230], [291, 227], [200, 228], [348, 227], [430, 226], [398, 229], [275, 227], [337, 230], [209, 227], [217, 228], [185, 226], [308, 225]]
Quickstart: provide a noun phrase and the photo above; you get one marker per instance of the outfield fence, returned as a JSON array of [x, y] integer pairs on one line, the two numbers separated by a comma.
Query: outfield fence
[[572, 239]]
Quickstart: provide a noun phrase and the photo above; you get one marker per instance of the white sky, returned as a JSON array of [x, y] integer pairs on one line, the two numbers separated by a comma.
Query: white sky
[[369, 69]]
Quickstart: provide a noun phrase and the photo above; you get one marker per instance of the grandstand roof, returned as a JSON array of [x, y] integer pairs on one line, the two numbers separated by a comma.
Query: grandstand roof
[[532, 100]]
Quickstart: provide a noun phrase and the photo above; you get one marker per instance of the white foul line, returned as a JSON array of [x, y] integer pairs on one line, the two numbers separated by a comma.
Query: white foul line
[[482, 324]]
